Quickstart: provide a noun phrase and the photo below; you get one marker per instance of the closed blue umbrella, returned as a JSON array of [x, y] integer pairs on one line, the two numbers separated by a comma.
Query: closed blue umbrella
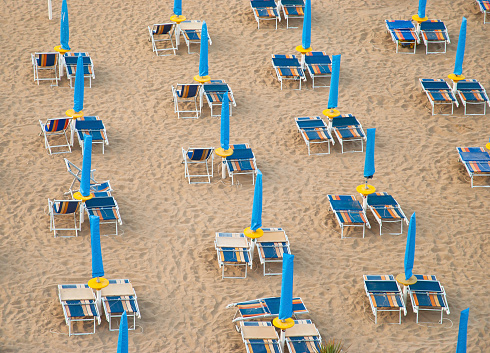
[[122, 342], [86, 165], [225, 122], [333, 95], [64, 27], [79, 86], [463, 331], [306, 40], [257, 204], [286, 301], [422, 4], [178, 7], [369, 160], [203, 53], [97, 265], [458, 65], [410, 249]]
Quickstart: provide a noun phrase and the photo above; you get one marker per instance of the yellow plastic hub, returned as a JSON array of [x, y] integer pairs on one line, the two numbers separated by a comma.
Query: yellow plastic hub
[[73, 114], [283, 324], [303, 50], [98, 283], [331, 113], [202, 79], [456, 78], [177, 19], [79, 196], [361, 189], [253, 235], [223, 153], [406, 282]]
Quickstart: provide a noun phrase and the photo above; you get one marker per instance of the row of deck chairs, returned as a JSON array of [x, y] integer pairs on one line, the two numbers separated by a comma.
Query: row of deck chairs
[[385, 295], [79, 305], [476, 162], [470, 91], [269, 10]]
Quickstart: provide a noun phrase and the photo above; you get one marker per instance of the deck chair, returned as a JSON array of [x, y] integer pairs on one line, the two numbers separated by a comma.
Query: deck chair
[[271, 248], [260, 337], [319, 65], [471, 92], [288, 67], [93, 126], [403, 33], [434, 32], [265, 10], [386, 209], [191, 30], [119, 297], [242, 161], [64, 209], [187, 95], [303, 337], [198, 157], [439, 92], [160, 35], [214, 92], [484, 6], [79, 305], [55, 129], [348, 212], [292, 9], [315, 132], [70, 63], [96, 187], [348, 129], [233, 250], [428, 295], [106, 209], [384, 294], [476, 161], [48, 63]]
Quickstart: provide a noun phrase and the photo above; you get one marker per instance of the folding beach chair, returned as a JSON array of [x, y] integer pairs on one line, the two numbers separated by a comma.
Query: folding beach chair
[[119, 297], [79, 305], [160, 35], [476, 161], [348, 129], [303, 337], [242, 161], [386, 209], [55, 130], [287, 67], [70, 63], [434, 32], [233, 250], [403, 33], [348, 212], [428, 295], [384, 294], [93, 126], [271, 248], [315, 132], [96, 187], [265, 10], [198, 157], [260, 337], [214, 92], [439, 92], [191, 30], [63, 211], [106, 209], [48, 63], [292, 9], [471, 92], [187, 95], [319, 65], [484, 6]]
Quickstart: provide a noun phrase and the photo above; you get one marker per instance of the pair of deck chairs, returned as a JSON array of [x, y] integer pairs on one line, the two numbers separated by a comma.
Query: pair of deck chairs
[[235, 250], [79, 305], [288, 68], [484, 6], [45, 67], [476, 162], [70, 64]]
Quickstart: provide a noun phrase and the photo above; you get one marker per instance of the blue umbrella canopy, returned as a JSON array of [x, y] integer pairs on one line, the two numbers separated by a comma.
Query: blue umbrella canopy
[[97, 265], [79, 86], [87, 164], [369, 160], [225, 122], [122, 341], [203, 53], [306, 40], [463, 331], [333, 95], [178, 7], [458, 64], [286, 301], [422, 4], [257, 204], [410, 249], [64, 27]]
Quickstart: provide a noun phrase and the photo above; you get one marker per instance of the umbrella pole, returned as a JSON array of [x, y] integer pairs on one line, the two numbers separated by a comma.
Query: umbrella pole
[[282, 339], [50, 10], [223, 168]]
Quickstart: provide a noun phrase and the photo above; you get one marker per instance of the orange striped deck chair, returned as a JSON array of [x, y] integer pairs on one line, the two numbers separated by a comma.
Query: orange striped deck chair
[[234, 250], [384, 295], [434, 32], [484, 6], [292, 9], [198, 159], [472, 93], [161, 38], [47, 64], [70, 63], [265, 10], [63, 216], [348, 212], [55, 135], [428, 295], [119, 297], [386, 209], [185, 100]]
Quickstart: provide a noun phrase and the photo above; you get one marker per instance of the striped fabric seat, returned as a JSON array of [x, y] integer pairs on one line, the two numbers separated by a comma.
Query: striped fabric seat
[[271, 247], [484, 6], [294, 10], [434, 32], [319, 65], [319, 69], [474, 96], [259, 337], [352, 217], [273, 250], [80, 308], [434, 84], [262, 345], [348, 129], [188, 91], [161, 38], [404, 35], [351, 131], [290, 71], [385, 300], [317, 134], [47, 60], [439, 92], [399, 24], [241, 165], [242, 161], [63, 216], [473, 154], [57, 125], [266, 12], [388, 213], [199, 154], [162, 29], [441, 95], [119, 304], [426, 277], [192, 34], [217, 97], [304, 338], [479, 167], [237, 255], [378, 277], [185, 100], [435, 36], [66, 207], [429, 300]]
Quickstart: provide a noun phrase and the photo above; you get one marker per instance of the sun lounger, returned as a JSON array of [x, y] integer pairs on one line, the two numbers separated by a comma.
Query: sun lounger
[[439, 92], [233, 250], [348, 212], [484, 6], [476, 161], [386, 209], [242, 161], [198, 156], [106, 209], [434, 32], [292, 9], [403, 33], [186, 95], [428, 295], [96, 187], [214, 92], [260, 337], [315, 132], [119, 297], [79, 305], [271, 247], [64, 209], [384, 294], [93, 126], [161, 34], [303, 337], [348, 129], [471, 92], [319, 65], [191, 30], [48, 63], [288, 67], [265, 10], [56, 129], [70, 63]]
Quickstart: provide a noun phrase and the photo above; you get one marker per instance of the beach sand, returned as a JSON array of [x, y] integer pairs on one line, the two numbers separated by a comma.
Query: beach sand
[[166, 245]]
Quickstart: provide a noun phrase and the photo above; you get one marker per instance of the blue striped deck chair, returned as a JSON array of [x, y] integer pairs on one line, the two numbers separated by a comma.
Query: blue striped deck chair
[[348, 129], [348, 212], [484, 6], [303, 337], [260, 337], [471, 92], [65, 211], [187, 95], [54, 130], [292, 9], [404, 34], [160, 36], [476, 161], [439, 92], [428, 295], [384, 294], [79, 305], [233, 250], [434, 32], [191, 30], [319, 65], [214, 92], [96, 187], [70, 63], [265, 10], [271, 248], [198, 157], [242, 161], [314, 132], [46, 63], [119, 297], [288, 67], [386, 209], [93, 126], [106, 209]]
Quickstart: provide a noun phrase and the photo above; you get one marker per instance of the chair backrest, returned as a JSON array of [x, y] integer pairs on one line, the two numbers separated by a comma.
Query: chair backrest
[[199, 154], [72, 60], [101, 202], [65, 206], [345, 121], [381, 198], [54, 125], [163, 28], [188, 91], [47, 59], [433, 25]]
